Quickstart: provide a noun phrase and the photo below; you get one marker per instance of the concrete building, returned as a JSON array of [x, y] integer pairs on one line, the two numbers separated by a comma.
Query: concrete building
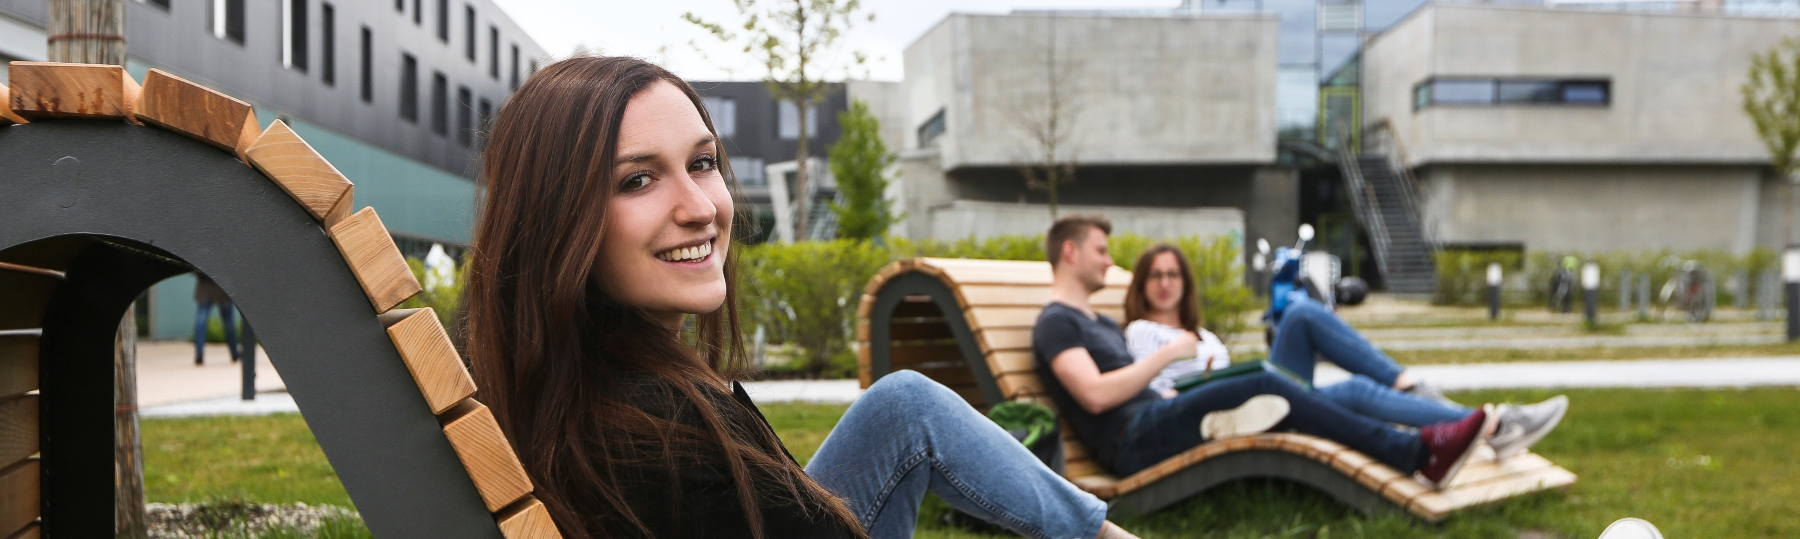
[[394, 94], [1168, 119], [1576, 130]]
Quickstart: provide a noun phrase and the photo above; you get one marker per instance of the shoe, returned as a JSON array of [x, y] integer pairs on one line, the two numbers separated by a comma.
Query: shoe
[[1259, 414], [1524, 424], [199, 361], [1631, 528], [1448, 445], [1427, 390]]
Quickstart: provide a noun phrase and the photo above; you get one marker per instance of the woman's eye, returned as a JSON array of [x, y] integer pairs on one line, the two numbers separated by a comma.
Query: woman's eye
[[635, 182], [704, 164]]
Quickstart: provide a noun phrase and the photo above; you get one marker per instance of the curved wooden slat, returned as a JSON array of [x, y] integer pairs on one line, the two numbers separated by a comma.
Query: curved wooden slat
[[61, 90], [7, 117], [173, 103]]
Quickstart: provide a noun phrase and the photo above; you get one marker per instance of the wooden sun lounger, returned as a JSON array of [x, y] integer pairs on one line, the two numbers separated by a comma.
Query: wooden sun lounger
[[110, 187], [967, 324]]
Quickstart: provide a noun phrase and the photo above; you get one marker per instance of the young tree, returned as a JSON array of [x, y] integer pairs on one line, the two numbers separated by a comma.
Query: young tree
[[1044, 118], [1772, 100], [795, 40], [859, 162]]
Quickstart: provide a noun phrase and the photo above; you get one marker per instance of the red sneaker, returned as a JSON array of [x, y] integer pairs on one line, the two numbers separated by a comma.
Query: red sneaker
[[1449, 444]]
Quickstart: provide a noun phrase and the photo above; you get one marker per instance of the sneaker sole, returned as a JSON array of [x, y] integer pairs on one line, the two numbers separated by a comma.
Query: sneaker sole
[[1487, 423], [1257, 415], [1530, 438]]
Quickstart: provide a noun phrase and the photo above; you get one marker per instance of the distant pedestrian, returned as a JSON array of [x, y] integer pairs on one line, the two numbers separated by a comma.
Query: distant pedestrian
[[207, 294]]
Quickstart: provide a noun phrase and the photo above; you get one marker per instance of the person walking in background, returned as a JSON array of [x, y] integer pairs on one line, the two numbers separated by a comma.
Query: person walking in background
[[206, 295]]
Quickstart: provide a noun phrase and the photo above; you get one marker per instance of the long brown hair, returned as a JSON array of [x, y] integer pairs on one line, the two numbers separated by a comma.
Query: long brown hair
[[556, 359], [1137, 302]]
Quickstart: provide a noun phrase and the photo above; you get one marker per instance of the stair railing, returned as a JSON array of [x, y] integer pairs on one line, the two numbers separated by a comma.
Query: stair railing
[[1364, 203], [1387, 143]]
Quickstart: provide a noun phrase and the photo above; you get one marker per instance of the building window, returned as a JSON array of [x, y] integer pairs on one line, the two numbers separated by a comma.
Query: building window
[[409, 88], [400, 6], [469, 32], [1491, 92], [788, 120], [749, 171], [464, 112], [293, 38], [494, 52], [443, 20], [418, 13], [164, 4], [723, 111], [514, 84], [931, 129], [485, 114], [367, 67], [440, 103], [328, 45], [228, 20]]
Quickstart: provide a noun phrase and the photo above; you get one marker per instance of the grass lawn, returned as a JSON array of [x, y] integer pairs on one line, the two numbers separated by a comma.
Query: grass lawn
[[1697, 463], [1504, 355]]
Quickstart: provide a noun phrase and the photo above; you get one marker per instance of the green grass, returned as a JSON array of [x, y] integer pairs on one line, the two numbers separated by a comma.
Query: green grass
[[1712, 463], [1598, 353]]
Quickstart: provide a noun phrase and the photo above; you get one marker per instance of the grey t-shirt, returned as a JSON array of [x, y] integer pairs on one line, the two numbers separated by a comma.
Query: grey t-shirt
[[1061, 327]]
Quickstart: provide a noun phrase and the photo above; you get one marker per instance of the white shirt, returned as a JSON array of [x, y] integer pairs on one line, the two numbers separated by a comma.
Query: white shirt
[[1143, 338]]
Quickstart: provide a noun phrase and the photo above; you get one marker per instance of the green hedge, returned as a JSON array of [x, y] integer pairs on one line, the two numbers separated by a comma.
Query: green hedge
[[805, 294], [1462, 275]]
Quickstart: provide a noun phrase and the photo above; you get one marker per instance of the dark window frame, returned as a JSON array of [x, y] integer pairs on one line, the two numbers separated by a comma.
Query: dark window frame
[[494, 52], [409, 88], [933, 128], [1550, 92], [164, 4], [443, 21], [469, 32], [297, 17], [465, 108], [418, 13], [485, 115], [368, 65], [440, 103], [514, 83], [328, 43], [234, 21]]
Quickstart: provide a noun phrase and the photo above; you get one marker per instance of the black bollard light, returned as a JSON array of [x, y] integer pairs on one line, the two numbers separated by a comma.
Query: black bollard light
[[249, 358], [1590, 292], [1493, 281], [1790, 274]]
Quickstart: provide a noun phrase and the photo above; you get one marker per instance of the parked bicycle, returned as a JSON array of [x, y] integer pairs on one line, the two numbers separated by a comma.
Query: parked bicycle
[[1690, 291]]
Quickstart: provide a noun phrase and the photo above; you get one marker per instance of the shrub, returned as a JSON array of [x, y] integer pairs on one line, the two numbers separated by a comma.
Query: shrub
[[1462, 275], [445, 300]]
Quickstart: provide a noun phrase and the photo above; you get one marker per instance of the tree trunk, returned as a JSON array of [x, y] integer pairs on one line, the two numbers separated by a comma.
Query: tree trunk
[[803, 196], [87, 31], [128, 451], [93, 32]]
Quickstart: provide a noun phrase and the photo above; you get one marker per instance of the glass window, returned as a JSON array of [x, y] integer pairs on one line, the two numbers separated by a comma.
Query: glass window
[[418, 13], [1529, 91], [440, 104], [368, 68], [788, 121], [494, 52], [1421, 96], [931, 129], [465, 110], [1462, 92], [328, 45], [514, 82], [486, 114], [443, 20], [293, 44], [723, 111], [469, 32], [1587, 93], [749, 171], [409, 88], [228, 20]]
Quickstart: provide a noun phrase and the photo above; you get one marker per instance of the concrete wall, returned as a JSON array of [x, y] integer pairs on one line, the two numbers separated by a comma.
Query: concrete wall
[[1675, 80], [966, 218], [1597, 207], [1140, 90]]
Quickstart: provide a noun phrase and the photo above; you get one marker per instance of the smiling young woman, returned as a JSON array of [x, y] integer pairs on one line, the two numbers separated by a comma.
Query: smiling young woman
[[606, 224]]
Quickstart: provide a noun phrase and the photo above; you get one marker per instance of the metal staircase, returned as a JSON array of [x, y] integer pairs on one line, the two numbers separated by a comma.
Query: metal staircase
[[1383, 200]]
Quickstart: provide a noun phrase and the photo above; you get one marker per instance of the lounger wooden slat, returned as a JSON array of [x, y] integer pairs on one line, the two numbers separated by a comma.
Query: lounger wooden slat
[[19, 495], [993, 306], [42, 90], [18, 428], [28, 294], [18, 364], [7, 117], [30, 532]]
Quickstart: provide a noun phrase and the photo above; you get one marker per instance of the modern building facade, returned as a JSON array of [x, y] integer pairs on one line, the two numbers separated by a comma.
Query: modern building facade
[[762, 137], [1577, 130], [1165, 122], [394, 94]]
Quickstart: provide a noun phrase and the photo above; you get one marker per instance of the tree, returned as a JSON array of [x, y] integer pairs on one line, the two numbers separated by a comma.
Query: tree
[[859, 162], [794, 39], [1772, 100], [1044, 118]]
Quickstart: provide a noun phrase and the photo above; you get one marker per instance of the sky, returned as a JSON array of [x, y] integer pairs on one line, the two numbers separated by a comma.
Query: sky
[[653, 29]]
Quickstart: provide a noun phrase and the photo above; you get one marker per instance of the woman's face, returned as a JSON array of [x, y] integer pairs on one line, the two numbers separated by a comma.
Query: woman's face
[[668, 220], [1162, 285]]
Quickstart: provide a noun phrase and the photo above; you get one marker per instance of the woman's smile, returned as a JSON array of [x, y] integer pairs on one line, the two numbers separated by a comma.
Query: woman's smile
[[693, 254]]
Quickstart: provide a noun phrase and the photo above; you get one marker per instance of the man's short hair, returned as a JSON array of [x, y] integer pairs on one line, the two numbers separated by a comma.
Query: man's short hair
[[1071, 228]]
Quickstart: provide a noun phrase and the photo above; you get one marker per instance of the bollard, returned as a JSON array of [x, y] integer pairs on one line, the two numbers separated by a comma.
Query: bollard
[[1790, 274], [1643, 297], [249, 358], [1590, 292], [1493, 282], [1258, 263], [1625, 291], [1741, 297]]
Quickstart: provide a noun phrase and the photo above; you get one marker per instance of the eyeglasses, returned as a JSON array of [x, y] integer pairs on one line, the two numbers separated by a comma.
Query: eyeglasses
[[1161, 275]]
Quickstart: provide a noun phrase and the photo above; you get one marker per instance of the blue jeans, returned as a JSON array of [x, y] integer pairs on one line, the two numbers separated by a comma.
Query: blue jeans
[[201, 315], [1166, 427], [907, 435], [1309, 330]]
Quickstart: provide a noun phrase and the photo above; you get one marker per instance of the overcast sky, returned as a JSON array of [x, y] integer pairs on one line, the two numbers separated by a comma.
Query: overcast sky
[[653, 29]]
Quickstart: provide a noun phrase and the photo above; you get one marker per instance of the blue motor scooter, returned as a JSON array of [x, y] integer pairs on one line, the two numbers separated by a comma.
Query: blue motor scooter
[[1297, 274]]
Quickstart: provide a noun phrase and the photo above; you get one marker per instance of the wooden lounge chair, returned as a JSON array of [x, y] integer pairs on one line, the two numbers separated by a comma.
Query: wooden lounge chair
[[967, 324], [109, 187]]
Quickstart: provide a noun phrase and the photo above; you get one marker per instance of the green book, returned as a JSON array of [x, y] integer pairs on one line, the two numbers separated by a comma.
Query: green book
[[1237, 369]]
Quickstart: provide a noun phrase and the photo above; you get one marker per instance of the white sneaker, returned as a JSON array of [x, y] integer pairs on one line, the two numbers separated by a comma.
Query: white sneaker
[[1524, 424], [1259, 414], [1631, 528]]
